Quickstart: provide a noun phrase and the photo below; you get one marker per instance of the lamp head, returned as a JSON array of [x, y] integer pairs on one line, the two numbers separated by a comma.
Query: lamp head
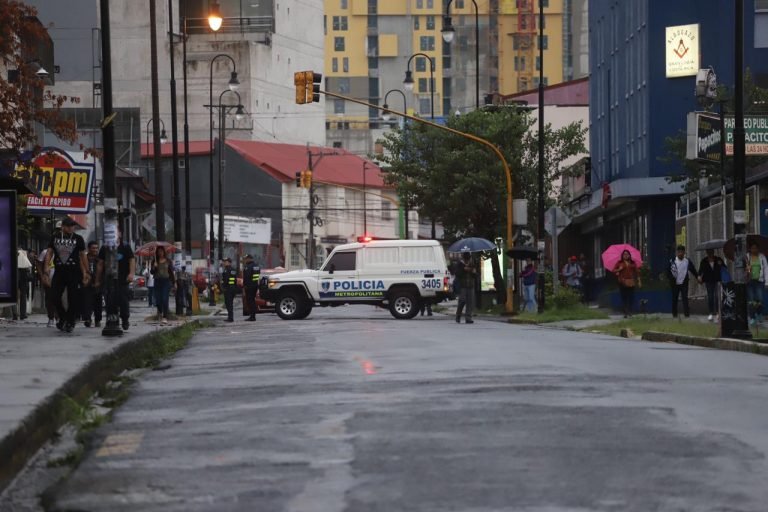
[[448, 31], [240, 113], [214, 17], [408, 82], [163, 137], [234, 83], [386, 115]]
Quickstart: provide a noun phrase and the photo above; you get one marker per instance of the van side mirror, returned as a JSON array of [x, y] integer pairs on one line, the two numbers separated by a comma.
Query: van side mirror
[[332, 268]]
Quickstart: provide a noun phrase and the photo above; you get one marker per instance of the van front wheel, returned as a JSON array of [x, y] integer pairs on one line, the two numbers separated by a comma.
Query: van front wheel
[[403, 305]]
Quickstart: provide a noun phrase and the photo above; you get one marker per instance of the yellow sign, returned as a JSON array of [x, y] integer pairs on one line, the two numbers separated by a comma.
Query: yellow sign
[[682, 50]]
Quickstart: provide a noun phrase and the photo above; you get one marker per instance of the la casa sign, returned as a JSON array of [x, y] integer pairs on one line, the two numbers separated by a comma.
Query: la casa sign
[[682, 49]]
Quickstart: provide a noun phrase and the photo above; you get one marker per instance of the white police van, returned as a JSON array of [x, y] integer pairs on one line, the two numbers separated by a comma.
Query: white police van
[[398, 274]]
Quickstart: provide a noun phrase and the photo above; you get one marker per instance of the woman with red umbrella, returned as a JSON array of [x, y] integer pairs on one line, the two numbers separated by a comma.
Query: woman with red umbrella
[[628, 276]]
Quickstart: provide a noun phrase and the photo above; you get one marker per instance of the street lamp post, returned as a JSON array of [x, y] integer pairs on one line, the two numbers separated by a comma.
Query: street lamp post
[[365, 202], [408, 82], [163, 138], [174, 139], [386, 116], [233, 85], [223, 110], [449, 33]]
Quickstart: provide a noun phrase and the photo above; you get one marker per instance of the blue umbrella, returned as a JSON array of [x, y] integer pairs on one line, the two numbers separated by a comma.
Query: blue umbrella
[[472, 245]]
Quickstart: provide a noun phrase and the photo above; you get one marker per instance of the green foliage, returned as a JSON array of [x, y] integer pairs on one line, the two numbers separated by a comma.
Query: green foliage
[[564, 298], [575, 312], [461, 183]]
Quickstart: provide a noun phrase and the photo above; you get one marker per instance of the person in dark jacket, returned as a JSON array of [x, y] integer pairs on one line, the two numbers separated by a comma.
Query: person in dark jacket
[[251, 277], [677, 273], [229, 286], [709, 275], [466, 275], [528, 276]]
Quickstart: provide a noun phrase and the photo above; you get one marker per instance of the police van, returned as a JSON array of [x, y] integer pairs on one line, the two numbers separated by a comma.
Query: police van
[[398, 274]]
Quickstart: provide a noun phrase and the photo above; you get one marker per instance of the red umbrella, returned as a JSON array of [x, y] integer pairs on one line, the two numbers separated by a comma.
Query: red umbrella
[[612, 255], [149, 249]]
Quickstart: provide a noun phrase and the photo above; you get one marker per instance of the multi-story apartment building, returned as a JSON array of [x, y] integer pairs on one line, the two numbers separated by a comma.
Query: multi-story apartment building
[[370, 42]]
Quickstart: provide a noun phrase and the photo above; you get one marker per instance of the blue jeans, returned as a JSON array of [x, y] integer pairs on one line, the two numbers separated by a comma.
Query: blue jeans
[[754, 294], [529, 292], [162, 290]]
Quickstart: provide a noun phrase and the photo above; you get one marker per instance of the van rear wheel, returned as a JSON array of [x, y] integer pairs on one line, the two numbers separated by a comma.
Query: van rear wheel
[[403, 305]]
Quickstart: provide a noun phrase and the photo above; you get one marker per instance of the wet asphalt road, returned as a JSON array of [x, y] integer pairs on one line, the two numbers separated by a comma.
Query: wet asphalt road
[[351, 410]]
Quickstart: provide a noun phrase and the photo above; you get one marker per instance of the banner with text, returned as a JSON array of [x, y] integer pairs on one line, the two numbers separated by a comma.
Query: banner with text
[[64, 183], [247, 230]]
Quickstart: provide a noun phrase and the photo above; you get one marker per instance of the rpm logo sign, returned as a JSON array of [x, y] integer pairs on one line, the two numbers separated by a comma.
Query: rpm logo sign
[[64, 184]]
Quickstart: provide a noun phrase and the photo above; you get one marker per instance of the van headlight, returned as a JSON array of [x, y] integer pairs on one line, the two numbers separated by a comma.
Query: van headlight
[[271, 283]]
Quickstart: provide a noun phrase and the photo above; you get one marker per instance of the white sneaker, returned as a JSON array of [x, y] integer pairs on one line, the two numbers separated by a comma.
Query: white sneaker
[[710, 317], [51, 323]]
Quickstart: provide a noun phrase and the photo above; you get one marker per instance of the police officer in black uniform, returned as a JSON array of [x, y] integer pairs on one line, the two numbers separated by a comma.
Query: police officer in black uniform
[[229, 284], [251, 276]]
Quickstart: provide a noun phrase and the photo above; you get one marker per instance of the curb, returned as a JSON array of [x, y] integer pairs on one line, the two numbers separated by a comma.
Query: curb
[[42, 423], [715, 343]]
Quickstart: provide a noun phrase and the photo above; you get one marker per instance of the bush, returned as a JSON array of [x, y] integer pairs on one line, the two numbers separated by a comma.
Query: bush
[[564, 298]]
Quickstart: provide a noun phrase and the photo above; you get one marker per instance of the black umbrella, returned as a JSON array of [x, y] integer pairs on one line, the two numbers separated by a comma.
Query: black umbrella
[[522, 252], [472, 244], [717, 243]]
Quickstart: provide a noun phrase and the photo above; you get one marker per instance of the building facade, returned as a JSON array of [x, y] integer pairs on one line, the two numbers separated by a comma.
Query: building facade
[[641, 88], [369, 43]]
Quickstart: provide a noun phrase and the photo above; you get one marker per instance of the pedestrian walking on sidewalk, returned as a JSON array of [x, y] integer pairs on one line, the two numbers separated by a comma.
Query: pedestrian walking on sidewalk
[[92, 292], [126, 269], [710, 273], [757, 266], [24, 277], [150, 279], [229, 287], [466, 275], [677, 273], [528, 276], [572, 274], [628, 276], [67, 251], [162, 269]]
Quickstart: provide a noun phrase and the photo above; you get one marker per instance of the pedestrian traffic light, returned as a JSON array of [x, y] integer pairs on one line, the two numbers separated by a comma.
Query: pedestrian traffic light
[[306, 181], [299, 178], [300, 81]]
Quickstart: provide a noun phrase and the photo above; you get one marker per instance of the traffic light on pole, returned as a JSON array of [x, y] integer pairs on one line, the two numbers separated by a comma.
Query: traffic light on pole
[[307, 179], [299, 178], [300, 81], [313, 81]]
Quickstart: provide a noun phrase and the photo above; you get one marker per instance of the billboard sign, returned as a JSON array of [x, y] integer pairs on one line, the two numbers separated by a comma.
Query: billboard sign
[[245, 230], [8, 256], [756, 134], [704, 136], [682, 50], [63, 183]]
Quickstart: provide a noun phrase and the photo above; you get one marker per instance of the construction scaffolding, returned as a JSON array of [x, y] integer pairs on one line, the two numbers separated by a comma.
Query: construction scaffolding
[[524, 43]]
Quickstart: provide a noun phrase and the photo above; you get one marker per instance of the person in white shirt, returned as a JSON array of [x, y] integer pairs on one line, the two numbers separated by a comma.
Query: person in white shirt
[[23, 275], [677, 273]]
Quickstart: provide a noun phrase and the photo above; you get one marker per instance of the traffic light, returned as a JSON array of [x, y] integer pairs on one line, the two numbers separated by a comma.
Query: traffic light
[[307, 86], [306, 181], [300, 81], [300, 178]]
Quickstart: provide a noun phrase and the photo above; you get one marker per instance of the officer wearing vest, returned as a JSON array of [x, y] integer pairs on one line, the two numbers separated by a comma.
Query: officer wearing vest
[[251, 276], [229, 283]]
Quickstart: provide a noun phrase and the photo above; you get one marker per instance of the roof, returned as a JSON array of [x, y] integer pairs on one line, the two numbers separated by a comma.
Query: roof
[[196, 148], [571, 93], [283, 161]]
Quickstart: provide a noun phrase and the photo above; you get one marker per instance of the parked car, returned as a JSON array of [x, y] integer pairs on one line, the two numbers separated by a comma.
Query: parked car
[[137, 290]]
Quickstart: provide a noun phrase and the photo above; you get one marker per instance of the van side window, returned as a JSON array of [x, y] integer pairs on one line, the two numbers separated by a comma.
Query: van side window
[[341, 261]]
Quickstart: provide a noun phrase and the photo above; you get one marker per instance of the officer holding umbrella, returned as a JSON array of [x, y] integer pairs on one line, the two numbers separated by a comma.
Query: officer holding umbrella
[[466, 273]]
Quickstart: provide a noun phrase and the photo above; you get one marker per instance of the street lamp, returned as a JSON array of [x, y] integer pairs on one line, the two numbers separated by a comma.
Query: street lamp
[[223, 110], [163, 138], [214, 17], [387, 115], [408, 82], [177, 234], [449, 33], [233, 82]]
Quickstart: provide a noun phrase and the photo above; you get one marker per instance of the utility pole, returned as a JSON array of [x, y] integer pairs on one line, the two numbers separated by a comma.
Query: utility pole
[[365, 202], [110, 235], [156, 148], [741, 327], [540, 205], [177, 235], [311, 213]]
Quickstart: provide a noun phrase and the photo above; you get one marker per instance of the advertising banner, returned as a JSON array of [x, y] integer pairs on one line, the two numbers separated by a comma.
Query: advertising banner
[[756, 134], [8, 258], [63, 183], [704, 136], [245, 230], [682, 50]]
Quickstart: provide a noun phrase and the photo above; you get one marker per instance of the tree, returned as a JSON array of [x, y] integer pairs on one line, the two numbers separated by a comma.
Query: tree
[[24, 102], [462, 184]]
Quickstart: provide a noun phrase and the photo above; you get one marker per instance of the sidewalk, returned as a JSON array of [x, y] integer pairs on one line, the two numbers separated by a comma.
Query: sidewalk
[[36, 362]]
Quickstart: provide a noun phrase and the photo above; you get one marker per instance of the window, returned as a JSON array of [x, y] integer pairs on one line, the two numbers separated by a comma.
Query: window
[[421, 64], [538, 63], [325, 25], [515, 43], [345, 64], [344, 23], [386, 212], [415, 23], [335, 65], [337, 144], [430, 4], [425, 106], [338, 44], [761, 23], [459, 4], [344, 4], [373, 46], [446, 55], [419, 4], [338, 106], [427, 43], [423, 85], [340, 262], [544, 44], [296, 255], [336, 23], [373, 7], [343, 85], [430, 23], [536, 82]]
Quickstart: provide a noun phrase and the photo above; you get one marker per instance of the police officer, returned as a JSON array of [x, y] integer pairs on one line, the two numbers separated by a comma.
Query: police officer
[[251, 276], [229, 285]]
